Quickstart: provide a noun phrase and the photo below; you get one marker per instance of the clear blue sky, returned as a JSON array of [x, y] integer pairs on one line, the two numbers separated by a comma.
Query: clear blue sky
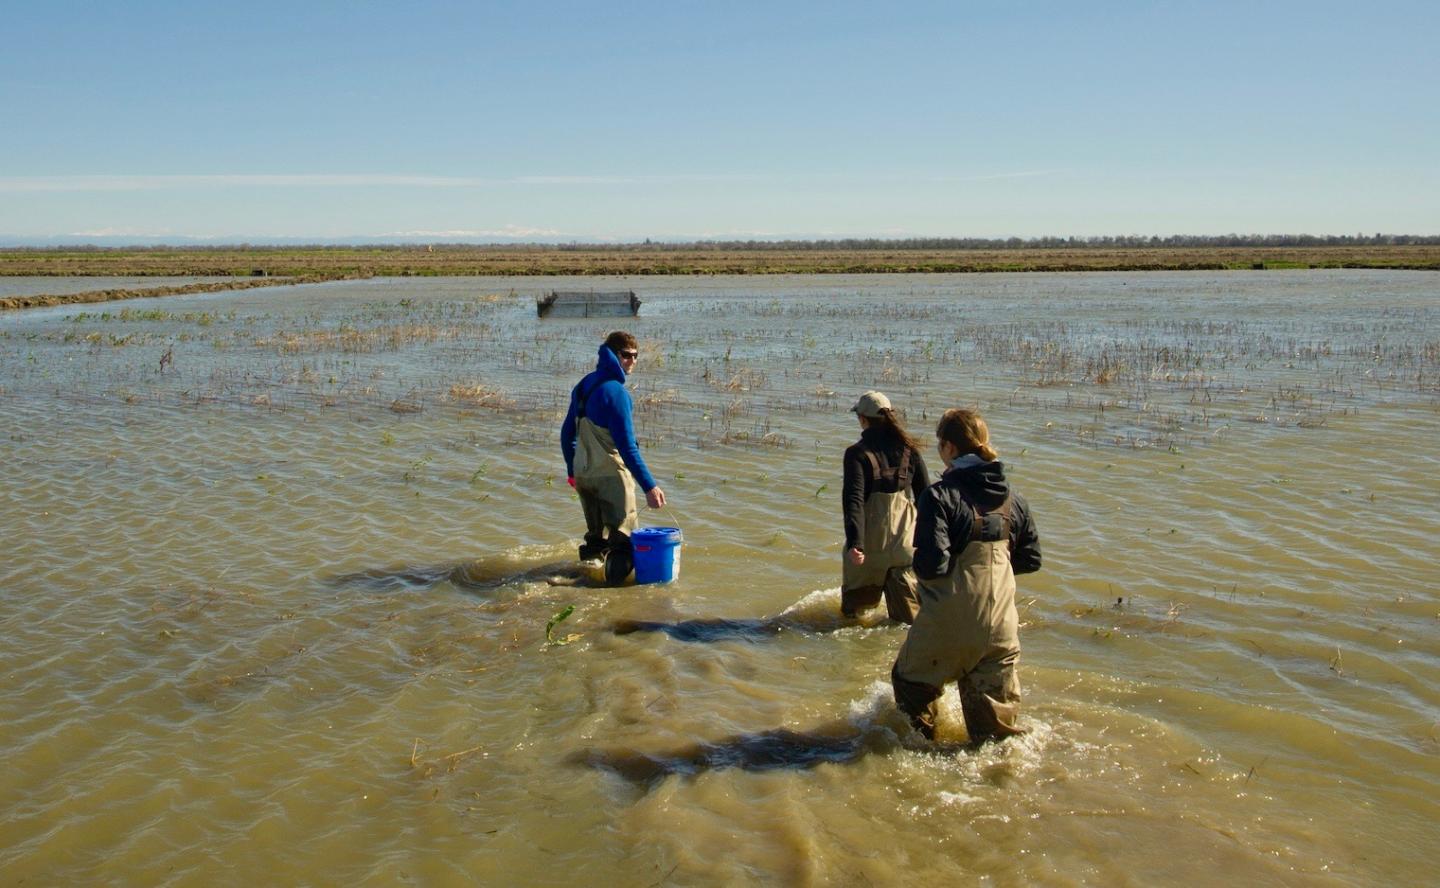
[[680, 120]]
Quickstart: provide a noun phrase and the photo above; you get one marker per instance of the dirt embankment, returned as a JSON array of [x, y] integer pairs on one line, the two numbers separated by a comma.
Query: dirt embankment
[[44, 299]]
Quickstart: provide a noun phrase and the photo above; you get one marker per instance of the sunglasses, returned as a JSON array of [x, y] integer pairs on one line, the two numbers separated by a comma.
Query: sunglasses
[[629, 354]]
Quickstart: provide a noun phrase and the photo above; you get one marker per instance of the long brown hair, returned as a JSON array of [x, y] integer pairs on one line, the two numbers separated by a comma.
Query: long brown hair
[[967, 431], [890, 426]]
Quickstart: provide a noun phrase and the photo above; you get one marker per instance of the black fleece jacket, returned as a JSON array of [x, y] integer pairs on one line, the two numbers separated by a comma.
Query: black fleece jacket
[[944, 516], [860, 480]]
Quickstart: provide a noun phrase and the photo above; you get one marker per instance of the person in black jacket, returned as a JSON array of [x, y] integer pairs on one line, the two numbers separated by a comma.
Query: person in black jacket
[[973, 534], [884, 473]]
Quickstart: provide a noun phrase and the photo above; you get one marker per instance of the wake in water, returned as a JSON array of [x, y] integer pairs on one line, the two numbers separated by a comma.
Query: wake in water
[[873, 727], [523, 564], [864, 732], [817, 612], [763, 751]]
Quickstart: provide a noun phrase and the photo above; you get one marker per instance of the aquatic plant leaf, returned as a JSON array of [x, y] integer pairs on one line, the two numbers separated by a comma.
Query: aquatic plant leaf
[[556, 620]]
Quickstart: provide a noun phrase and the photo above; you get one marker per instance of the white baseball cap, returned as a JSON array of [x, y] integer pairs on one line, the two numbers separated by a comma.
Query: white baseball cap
[[870, 404]]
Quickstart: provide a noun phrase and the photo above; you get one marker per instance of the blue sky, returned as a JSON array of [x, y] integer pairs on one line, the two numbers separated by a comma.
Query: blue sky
[[681, 120]]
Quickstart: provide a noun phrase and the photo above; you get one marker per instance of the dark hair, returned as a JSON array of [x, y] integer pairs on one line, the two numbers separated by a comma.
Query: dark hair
[[967, 431], [620, 340], [889, 424]]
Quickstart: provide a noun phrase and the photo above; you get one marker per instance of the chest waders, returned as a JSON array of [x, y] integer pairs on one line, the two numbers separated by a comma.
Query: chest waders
[[968, 632], [886, 542], [607, 496]]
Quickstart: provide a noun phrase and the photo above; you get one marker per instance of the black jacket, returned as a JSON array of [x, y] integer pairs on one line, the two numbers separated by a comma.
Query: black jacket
[[860, 480], [945, 515]]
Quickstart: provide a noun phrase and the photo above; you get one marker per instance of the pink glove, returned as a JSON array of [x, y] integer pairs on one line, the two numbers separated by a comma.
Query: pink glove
[[570, 480]]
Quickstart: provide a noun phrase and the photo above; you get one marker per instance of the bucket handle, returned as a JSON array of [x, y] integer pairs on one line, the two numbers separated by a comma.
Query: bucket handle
[[671, 515]]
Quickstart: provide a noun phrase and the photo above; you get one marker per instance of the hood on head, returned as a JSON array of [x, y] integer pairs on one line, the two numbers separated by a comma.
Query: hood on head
[[608, 366], [983, 483]]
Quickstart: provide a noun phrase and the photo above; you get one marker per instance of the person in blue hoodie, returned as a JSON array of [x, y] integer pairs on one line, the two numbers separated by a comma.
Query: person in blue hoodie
[[602, 458]]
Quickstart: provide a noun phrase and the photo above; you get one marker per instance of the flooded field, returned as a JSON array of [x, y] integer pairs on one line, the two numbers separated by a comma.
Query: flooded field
[[278, 569]]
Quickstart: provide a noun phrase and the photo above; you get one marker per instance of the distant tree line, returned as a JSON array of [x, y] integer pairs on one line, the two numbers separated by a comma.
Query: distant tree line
[[1099, 242]]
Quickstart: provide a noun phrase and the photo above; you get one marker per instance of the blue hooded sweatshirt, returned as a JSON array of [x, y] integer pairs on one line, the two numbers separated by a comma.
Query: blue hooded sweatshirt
[[607, 404]]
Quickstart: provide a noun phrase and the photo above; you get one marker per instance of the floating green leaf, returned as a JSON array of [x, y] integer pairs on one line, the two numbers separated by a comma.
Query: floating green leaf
[[556, 620]]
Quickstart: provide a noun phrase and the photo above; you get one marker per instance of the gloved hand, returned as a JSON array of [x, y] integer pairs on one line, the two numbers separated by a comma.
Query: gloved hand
[[570, 480]]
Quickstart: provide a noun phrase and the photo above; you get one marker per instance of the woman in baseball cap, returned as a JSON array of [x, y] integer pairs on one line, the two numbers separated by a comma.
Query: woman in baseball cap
[[884, 476]]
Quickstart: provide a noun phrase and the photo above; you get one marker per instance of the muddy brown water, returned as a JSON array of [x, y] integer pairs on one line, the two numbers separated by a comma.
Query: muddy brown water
[[275, 611]]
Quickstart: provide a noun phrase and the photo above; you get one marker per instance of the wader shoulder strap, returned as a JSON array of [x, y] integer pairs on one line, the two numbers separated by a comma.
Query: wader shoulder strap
[[875, 468], [977, 527], [583, 395], [880, 467]]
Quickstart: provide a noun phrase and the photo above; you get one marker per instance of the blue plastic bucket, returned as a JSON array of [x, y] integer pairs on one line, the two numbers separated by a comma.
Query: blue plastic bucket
[[657, 554]]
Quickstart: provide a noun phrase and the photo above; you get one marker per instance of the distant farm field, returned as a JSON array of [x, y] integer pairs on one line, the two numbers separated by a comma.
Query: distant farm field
[[250, 266], [565, 260]]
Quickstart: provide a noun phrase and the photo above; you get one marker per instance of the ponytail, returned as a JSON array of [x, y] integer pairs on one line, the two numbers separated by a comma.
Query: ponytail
[[968, 432]]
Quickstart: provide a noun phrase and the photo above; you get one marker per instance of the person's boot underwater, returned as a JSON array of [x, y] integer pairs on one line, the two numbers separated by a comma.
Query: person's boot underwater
[[593, 551], [619, 564]]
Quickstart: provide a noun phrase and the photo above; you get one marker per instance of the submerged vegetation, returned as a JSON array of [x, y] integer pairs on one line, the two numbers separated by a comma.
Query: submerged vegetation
[[742, 373]]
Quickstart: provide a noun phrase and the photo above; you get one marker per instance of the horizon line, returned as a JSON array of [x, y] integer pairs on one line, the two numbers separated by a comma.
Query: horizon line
[[558, 239]]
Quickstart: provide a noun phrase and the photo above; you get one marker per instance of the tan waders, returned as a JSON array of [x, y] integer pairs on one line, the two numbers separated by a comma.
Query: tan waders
[[889, 530], [968, 632], [607, 496]]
